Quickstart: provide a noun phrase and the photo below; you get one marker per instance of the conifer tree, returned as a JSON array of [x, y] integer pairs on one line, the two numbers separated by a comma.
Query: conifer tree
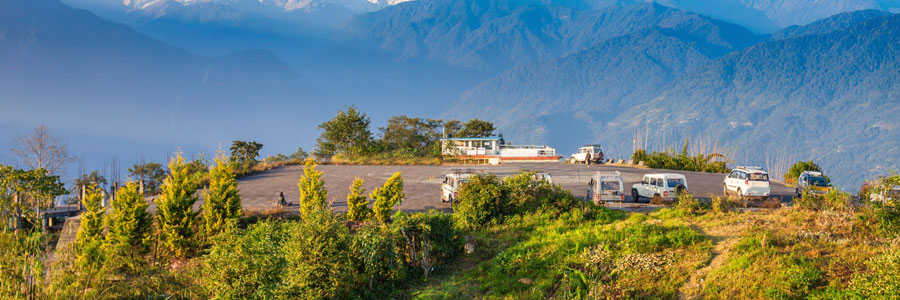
[[312, 189], [357, 204], [222, 202], [175, 215], [89, 259], [129, 225], [90, 230], [387, 196]]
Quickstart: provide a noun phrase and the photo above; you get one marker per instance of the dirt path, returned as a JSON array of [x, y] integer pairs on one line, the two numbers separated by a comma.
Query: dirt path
[[724, 238]]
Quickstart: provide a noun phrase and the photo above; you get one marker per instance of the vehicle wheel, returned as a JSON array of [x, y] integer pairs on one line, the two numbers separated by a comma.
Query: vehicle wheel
[[635, 196], [680, 189], [656, 200], [740, 196], [572, 161], [725, 190]]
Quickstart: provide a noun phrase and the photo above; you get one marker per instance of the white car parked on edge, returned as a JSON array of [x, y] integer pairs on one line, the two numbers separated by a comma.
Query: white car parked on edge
[[595, 151], [659, 187], [747, 182]]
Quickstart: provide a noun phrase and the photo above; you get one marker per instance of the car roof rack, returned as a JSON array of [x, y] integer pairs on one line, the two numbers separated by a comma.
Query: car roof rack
[[749, 168], [813, 173]]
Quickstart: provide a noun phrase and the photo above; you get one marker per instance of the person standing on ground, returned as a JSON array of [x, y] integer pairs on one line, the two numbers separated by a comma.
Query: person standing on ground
[[587, 158], [281, 201]]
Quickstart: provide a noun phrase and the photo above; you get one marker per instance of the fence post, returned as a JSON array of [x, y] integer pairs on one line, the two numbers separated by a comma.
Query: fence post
[[81, 198], [18, 218]]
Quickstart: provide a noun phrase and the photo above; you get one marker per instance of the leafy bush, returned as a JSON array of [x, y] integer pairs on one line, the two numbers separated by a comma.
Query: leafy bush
[[479, 202], [486, 198], [797, 277], [247, 264], [319, 265], [882, 277], [833, 200], [723, 204], [430, 238], [798, 168], [700, 162], [886, 217], [378, 261], [22, 268], [687, 204]]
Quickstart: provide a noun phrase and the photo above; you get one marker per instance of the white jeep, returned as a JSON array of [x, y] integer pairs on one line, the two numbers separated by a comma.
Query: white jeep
[[747, 182], [452, 183], [607, 186], [659, 187], [595, 151]]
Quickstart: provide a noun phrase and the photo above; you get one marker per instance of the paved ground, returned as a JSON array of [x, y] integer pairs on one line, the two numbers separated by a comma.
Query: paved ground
[[422, 183]]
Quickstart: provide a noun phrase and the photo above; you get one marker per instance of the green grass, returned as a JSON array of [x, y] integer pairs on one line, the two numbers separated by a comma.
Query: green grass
[[570, 257]]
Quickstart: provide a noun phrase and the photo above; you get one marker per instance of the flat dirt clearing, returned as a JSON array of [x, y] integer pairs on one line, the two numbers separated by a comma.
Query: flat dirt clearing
[[422, 183]]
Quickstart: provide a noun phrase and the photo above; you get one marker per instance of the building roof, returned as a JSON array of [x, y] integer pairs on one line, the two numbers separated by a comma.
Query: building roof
[[490, 138]]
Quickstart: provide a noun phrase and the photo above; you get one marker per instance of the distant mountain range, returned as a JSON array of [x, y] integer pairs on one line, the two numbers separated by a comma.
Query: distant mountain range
[[826, 91], [79, 73]]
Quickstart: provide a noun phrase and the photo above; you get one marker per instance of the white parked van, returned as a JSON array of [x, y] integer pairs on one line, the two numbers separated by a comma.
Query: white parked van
[[658, 187], [606, 186], [747, 182]]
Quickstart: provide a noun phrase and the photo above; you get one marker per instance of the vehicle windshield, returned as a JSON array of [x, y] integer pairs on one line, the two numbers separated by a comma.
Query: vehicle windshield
[[759, 177], [818, 181], [610, 185], [675, 182]]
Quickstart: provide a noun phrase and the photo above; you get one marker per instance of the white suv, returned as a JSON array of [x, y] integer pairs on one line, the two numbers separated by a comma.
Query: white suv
[[581, 156], [452, 183], [749, 182], [659, 187]]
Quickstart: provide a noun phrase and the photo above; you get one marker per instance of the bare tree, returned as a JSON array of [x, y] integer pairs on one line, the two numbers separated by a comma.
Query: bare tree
[[42, 150]]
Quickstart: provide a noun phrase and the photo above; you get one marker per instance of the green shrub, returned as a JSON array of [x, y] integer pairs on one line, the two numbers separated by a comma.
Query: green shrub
[[377, 258], [701, 162], [687, 204], [478, 202], [798, 168], [521, 192], [319, 265], [431, 240], [22, 268], [882, 277], [797, 277], [247, 264], [834, 200], [886, 217]]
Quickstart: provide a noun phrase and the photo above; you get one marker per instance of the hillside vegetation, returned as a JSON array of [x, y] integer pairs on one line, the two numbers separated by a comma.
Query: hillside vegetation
[[511, 238]]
